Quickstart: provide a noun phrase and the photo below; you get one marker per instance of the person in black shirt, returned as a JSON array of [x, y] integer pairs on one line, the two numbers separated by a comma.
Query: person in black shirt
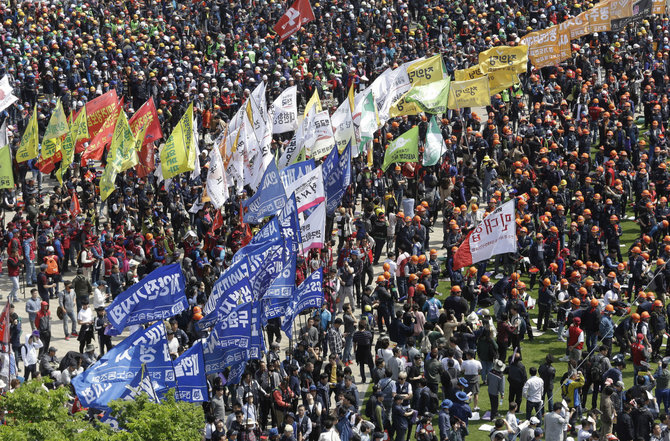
[[362, 340], [548, 374]]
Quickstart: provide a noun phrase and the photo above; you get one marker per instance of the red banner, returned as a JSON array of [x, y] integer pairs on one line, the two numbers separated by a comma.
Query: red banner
[[97, 146], [4, 325], [97, 111], [75, 208], [146, 163], [297, 15], [48, 165], [147, 116]]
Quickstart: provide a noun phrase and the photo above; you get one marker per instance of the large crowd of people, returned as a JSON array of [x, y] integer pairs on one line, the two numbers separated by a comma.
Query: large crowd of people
[[580, 146]]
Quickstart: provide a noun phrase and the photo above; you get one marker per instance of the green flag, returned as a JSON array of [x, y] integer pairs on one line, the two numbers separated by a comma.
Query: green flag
[[404, 148], [435, 147], [431, 97], [369, 121]]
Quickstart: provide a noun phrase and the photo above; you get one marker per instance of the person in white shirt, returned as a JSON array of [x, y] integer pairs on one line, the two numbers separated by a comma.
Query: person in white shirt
[[533, 391], [471, 369], [173, 343], [85, 320], [512, 422], [249, 408], [29, 353], [100, 295], [68, 374]]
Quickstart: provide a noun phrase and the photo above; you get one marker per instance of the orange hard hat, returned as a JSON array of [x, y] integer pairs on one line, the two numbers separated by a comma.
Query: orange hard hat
[[644, 315], [658, 303], [386, 267], [456, 288], [635, 316], [387, 275], [609, 308], [594, 302], [421, 287], [425, 272], [575, 301], [380, 279], [413, 277], [485, 278], [546, 282], [515, 276]]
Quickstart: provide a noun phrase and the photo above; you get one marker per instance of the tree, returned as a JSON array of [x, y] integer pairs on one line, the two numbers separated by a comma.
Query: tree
[[34, 412]]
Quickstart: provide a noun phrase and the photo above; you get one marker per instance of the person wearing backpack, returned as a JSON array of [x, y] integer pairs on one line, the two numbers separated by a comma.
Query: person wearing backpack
[[432, 307], [598, 365]]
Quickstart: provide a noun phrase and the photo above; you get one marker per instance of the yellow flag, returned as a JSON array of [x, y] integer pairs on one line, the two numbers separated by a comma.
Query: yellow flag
[[350, 97], [509, 58], [80, 125], [68, 155], [420, 73], [544, 47], [6, 169], [180, 147], [28, 149], [658, 7], [470, 93], [57, 126], [107, 180], [50, 147], [314, 100], [122, 152], [499, 80]]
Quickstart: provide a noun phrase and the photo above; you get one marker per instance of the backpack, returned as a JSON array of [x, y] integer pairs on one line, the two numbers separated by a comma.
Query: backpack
[[52, 265], [433, 313], [597, 370], [370, 407]]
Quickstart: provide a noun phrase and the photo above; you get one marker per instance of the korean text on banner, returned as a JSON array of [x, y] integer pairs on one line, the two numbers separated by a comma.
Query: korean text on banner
[[470, 93], [404, 148], [308, 295], [284, 111], [496, 234], [189, 370], [419, 73], [177, 155], [509, 58], [28, 149], [158, 296]]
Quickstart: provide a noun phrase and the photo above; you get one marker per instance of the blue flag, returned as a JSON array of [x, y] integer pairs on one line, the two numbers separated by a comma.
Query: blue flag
[[295, 171], [290, 226], [308, 295], [273, 307], [236, 372], [230, 291], [219, 352], [158, 296], [141, 384], [336, 177], [107, 378], [268, 199], [189, 370], [264, 267]]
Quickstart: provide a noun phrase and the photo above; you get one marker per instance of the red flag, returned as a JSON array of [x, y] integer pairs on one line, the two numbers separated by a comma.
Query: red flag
[[97, 111], [147, 116], [218, 221], [75, 208], [297, 15], [48, 165], [146, 162], [97, 146], [245, 227], [4, 325]]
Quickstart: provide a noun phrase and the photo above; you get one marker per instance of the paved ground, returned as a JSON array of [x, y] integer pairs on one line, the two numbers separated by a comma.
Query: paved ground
[[63, 346]]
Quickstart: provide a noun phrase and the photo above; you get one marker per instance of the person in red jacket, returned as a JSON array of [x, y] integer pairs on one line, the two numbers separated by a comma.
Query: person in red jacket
[[282, 398], [13, 271], [43, 324], [575, 340], [637, 350]]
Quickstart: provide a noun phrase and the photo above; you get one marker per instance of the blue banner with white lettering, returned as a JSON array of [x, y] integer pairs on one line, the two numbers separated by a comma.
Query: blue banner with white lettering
[[228, 293], [189, 370], [290, 226], [107, 378], [274, 307], [264, 267], [268, 199], [236, 372], [140, 384], [308, 295], [158, 296], [336, 177], [220, 351], [295, 171]]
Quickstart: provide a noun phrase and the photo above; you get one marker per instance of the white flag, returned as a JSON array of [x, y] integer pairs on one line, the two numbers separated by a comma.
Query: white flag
[[435, 146], [217, 185], [313, 229], [308, 190], [303, 137], [284, 111], [7, 97], [343, 126], [496, 234], [323, 130]]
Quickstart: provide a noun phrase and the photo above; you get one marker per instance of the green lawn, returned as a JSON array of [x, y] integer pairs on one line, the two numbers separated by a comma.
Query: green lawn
[[535, 352]]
